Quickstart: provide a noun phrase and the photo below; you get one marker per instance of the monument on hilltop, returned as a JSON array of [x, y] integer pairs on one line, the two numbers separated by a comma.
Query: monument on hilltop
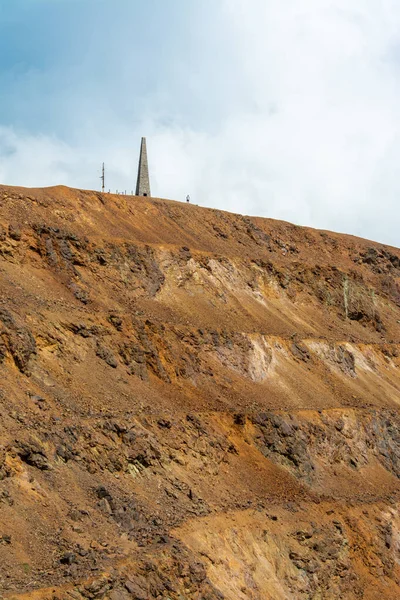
[[143, 179]]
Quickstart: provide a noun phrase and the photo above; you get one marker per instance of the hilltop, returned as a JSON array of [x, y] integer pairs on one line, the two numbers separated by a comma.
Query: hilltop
[[194, 404]]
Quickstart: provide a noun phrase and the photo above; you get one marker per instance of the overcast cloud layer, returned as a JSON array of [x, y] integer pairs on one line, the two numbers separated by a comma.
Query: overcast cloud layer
[[288, 110]]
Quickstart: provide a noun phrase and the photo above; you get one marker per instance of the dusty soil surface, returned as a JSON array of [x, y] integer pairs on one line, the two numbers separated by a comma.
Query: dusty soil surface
[[194, 404]]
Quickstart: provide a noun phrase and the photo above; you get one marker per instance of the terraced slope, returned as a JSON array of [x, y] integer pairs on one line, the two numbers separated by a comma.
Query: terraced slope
[[194, 404]]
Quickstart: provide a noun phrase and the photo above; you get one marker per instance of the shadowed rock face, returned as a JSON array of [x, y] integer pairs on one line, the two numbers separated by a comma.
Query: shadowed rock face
[[194, 404]]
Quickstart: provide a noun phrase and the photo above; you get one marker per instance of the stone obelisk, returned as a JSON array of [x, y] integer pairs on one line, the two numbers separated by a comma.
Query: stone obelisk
[[143, 180]]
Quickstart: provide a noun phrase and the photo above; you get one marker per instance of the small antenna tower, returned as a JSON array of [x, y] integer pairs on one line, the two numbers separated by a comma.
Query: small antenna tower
[[103, 179]]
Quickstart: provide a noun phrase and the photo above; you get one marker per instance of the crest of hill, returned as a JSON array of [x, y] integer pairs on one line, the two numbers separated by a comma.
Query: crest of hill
[[158, 221]]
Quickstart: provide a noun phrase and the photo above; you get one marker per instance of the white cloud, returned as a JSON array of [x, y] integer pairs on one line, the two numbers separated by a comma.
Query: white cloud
[[292, 112]]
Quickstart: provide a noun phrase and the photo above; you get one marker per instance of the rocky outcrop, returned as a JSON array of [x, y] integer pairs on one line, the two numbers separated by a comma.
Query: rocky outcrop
[[15, 340]]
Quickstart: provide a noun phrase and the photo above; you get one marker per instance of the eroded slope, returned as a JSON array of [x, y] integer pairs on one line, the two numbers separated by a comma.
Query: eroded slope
[[194, 404]]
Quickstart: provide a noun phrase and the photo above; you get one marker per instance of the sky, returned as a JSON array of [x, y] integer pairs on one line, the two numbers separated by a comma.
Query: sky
[[288, 110]]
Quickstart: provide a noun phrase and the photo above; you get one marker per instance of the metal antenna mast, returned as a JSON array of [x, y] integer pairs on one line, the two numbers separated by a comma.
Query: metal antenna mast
[[103, 179]]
